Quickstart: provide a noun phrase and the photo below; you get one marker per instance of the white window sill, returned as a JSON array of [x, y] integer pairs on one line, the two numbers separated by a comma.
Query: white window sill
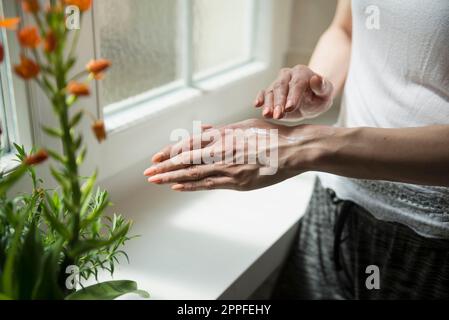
[[8, 163], [210, 245]]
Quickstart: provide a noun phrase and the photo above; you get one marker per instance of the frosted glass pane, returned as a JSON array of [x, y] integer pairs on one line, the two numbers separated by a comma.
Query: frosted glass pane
[[222, 31], [141, 37]]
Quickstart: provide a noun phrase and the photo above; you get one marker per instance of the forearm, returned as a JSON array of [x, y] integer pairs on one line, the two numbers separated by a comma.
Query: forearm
[[334, 67], [410, 155]]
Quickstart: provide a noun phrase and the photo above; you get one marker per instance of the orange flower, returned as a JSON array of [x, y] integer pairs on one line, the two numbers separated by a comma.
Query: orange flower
[[99, 130], [78, 89], [97, 67], [54, 9], [50, 42], [31, 6], [10, 23], [36, 158], [27, 69], [29, 37], [83, 5]]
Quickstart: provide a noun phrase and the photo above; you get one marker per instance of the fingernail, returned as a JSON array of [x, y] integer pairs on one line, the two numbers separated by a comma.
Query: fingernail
[[150, 171], [266, 112], [157, 157], [256, 102], [289, 106], [155, 179], [277, 112], [178, 187]]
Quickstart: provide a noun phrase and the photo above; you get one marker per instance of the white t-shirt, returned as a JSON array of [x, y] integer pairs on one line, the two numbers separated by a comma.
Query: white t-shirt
[[399, 77]]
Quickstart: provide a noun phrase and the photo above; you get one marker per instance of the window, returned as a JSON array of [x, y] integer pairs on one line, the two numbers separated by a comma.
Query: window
[[14, 112], [142, 39], [162, 45], [222, 34], [174, 61], [6, 122]]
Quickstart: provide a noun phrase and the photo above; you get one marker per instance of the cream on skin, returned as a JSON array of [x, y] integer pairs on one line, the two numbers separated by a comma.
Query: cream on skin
[[290, 139], [411, 155]]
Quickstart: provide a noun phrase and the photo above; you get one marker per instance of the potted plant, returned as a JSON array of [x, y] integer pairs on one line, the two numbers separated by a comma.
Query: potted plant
[[46, 236]]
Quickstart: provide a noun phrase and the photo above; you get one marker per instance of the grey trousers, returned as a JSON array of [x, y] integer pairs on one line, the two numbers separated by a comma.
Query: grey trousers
[[343, 252]]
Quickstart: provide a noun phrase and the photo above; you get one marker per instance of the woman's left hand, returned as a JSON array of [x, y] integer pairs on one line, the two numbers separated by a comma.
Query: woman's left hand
[[222, 165]]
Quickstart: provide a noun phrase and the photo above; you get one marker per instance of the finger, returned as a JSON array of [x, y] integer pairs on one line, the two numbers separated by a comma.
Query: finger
[[298, 87], [181, 161], [165, 166], [268, 105], [206, 127], [162, 155], [260, 99], [320, 86], [209, 183], [182, 146], [193, 173], [280, 94]]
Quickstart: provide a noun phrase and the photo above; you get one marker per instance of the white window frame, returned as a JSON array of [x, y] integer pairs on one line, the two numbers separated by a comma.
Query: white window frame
[[134, 134], [15, 93]]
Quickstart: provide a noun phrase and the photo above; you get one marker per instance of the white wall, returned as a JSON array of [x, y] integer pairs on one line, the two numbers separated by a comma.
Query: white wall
[[310, 18]]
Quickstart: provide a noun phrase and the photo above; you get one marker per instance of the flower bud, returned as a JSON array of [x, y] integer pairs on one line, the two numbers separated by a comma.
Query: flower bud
[[78, 89], [50, 42], [10, 23], [27, 69], [83, 5], [29, 37], [36, 158], [99, 130], [98, 66], [30, 6]]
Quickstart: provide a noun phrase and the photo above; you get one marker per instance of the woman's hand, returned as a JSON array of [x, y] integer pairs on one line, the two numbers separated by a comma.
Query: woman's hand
[[272, 148], [298, 93]]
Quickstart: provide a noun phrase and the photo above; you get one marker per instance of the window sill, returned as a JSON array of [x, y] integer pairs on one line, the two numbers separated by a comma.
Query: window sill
[[8, 163], [210, 245], [143, 111]]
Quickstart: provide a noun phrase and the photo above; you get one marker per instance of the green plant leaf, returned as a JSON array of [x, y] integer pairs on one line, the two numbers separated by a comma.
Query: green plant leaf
[[55, 224], [70, 63], [76, 119], [77, 143], [99, 204], [108, 291], [71, 99], [53, 202], [4, 297], [60, 178], [86, 189], [57, 156], [7, 182], [52, 132], [81, 156], [47, 286], [9, 286], [29, 262], [84, 246], [21, 154]]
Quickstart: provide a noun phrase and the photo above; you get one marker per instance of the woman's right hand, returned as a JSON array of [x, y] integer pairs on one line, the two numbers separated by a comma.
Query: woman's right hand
[[298, 93]]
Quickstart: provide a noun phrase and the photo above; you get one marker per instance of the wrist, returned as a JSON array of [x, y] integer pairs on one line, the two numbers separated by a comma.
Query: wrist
[[320, 148]]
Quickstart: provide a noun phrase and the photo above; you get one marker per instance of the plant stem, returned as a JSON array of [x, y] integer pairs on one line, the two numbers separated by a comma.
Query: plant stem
[[69, 148]]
